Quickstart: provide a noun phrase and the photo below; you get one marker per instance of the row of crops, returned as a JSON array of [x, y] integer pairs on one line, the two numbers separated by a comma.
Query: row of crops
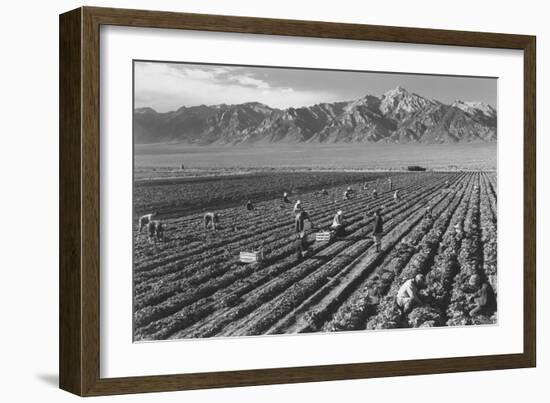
[[192, 284]]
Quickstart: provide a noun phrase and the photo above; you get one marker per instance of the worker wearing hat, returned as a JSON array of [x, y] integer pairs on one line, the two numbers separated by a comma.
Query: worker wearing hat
[[298, 207], [338, 224], [408, 295], [428, 213], [396, 196], [285, 198], [347, 194]]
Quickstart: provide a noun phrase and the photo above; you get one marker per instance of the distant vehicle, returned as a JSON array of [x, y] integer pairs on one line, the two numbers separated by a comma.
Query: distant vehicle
[[415, 168]]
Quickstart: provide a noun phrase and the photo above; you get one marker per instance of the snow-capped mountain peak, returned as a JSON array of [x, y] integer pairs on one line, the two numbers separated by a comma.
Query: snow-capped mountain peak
[[397, 116], [473, 108]]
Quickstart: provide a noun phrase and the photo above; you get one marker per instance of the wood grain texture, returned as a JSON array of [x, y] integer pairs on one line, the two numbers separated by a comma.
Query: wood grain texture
[[80, 200], [70, 271], [90, 202], [530, 202]]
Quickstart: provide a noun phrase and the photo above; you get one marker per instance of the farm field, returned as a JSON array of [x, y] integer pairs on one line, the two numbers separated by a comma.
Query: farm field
[[163, 160], [192, 285], [177, 196]]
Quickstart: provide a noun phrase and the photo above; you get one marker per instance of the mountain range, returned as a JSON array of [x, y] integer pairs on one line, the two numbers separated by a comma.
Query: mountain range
[[397, 116]]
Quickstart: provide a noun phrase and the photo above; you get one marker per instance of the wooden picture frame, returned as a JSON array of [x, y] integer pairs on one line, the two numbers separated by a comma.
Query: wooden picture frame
[[79, 281]]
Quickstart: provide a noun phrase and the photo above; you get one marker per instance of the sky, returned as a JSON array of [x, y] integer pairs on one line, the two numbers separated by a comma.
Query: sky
[[167, 86]]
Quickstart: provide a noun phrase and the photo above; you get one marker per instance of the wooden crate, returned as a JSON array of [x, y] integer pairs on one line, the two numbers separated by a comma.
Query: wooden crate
[[250, 257], [323, 236]]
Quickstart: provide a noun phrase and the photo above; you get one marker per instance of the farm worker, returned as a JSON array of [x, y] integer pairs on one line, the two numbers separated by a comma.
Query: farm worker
[[211, 219], [347, 195], [408, 295], [446, 184], [396, 196], [301, 245], [375, 193], [285, 198], [390, 184], [365, 186], [349, 190], [378, 229], [458, 229], [338, 224], [324, 192], [249, 206], [159, 231], [299, 221], [428, 213], [145, 219], [298, 207], [485, 303]]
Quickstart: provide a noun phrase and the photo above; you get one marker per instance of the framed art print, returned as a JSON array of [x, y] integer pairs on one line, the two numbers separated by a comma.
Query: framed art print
[[250, 201]]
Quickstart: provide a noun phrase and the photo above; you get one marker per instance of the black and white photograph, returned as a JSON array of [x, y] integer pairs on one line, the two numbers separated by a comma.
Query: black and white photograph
[[281, 200]]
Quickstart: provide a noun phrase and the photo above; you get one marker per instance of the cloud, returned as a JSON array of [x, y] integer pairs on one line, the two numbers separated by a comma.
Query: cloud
[[251, 82], [166, 87]]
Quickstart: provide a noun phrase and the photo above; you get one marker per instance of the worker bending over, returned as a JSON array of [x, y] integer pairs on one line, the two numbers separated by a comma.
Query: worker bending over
[[408, 295], [485, 303], [285, 198], [210, 220], [428, 213], [396, 196], [144, 220], [155, 231], [338, 224]]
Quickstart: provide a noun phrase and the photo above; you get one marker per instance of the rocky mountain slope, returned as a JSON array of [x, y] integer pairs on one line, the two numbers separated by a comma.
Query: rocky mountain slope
[[397, 116]]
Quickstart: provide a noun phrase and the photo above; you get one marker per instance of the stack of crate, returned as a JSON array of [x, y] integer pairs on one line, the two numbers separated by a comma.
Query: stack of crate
[[323, 236], [251, 257]]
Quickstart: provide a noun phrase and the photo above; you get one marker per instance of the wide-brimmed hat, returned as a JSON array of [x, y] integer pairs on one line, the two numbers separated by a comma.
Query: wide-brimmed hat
[[340, 212]]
